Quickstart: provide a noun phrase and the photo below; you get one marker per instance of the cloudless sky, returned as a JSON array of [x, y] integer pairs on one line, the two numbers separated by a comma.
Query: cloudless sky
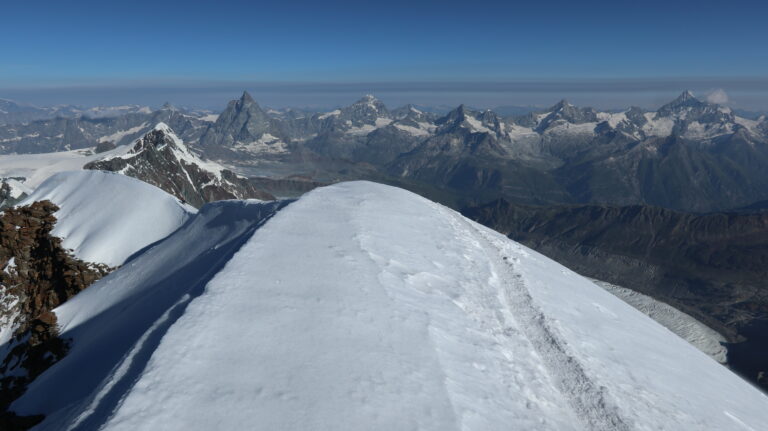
[[209, 45]]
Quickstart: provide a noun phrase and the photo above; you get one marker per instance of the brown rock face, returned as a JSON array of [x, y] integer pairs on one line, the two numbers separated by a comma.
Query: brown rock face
[[36, 276]]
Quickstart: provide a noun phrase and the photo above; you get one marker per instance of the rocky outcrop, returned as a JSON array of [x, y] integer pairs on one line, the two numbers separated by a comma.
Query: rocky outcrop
[[160, 158], [9, 195], [37, 276]]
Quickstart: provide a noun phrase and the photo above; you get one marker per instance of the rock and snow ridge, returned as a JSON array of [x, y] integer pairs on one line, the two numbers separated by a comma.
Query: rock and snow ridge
[[241, 317], [160, 158]]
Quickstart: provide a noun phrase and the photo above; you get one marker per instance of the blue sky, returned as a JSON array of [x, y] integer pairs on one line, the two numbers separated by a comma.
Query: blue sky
[[100, 51]]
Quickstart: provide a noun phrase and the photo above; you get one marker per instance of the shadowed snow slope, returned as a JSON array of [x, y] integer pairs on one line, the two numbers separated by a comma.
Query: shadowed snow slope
[[362, 306], [106, 217]]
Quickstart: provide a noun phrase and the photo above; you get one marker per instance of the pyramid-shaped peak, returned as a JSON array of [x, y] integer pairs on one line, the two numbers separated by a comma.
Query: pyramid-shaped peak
[[246, 97], [686, 95], [455, 116], [685, 98], [245, 102], [459, 112], [563, 103], [164, 131]]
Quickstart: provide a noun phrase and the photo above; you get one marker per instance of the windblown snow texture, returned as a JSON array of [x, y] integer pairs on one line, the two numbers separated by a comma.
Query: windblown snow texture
[[106, 217], [362, 306]]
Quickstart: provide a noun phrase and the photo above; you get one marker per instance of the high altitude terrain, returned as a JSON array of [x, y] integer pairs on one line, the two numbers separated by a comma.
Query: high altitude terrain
[[238, 319], [575, 183]]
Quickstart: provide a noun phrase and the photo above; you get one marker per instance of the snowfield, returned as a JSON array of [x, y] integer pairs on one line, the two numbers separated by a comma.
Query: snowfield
[[684, 325], [106, 217], [36, 168], [366, 307]]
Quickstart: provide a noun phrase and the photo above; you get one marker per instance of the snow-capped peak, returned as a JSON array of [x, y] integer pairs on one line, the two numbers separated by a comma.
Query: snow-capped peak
[[167, 131], [371, 102]]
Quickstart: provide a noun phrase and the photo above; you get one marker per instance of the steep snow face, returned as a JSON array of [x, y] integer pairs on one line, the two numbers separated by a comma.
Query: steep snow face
[[106, 217], [117, 323], [363, 306]]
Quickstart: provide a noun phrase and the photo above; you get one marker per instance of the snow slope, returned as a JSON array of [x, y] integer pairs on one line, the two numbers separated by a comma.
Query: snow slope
[[362, 306], [36, 168], [106, 217], [684, 325]]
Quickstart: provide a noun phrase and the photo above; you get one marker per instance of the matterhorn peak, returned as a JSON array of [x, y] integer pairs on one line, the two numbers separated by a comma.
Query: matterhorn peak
[[246, 98]]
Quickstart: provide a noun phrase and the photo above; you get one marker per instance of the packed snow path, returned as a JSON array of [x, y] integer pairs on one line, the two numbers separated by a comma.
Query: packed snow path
[[591, 402], [362, 306]]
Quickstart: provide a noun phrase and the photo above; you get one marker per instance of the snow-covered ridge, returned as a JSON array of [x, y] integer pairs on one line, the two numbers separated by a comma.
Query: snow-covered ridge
[[362, 306], [106, 217], [179, 151]]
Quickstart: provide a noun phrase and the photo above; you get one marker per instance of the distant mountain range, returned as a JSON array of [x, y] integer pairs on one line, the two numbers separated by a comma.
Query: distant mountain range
[[18, 113], [689, 155], [668, 202]]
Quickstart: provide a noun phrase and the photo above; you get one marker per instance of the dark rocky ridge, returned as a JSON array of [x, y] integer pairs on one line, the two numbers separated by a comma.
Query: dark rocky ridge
[[713, 266], [7, 198], [37, 276], [161, 159]]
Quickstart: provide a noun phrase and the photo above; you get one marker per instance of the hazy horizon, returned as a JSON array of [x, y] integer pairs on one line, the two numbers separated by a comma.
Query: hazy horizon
[[194, 53], [748, 94]]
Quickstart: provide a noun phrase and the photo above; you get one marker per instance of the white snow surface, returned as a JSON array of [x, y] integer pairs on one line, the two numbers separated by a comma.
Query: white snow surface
[[36, 168], [334, 113], [684, 325], [17, 188], [106, 217], [476, 125], [363, 306], [117, 136], [658, 126], [210, 118]]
